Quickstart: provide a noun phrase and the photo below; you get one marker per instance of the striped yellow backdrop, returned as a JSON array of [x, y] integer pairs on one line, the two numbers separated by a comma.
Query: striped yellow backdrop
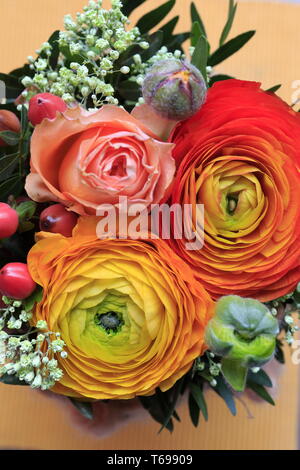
[[29, 420]]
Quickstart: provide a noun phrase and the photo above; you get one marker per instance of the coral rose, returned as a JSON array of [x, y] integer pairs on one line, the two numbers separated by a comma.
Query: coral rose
[[84, 159], [130, 312], [240, 157]]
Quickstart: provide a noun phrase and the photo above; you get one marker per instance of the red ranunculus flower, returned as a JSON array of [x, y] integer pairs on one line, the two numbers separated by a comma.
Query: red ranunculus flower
[[240, 157]]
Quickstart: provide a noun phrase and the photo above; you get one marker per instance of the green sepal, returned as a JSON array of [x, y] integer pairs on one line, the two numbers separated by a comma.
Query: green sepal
[[235, 373]]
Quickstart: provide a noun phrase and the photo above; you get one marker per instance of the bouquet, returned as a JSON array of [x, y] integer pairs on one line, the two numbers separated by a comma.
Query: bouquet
[[149, 217]]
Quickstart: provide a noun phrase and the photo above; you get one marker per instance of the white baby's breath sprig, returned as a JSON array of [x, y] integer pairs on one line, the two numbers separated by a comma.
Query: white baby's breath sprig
[[28, 351], [95, 38]]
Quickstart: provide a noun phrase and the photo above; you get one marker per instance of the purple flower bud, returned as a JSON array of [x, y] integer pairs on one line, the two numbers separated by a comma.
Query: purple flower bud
[[175, 89]]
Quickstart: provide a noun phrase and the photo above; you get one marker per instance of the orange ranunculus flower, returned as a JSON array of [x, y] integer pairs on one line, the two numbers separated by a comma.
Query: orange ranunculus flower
[[130, 312], [84, 159], [240, 157]]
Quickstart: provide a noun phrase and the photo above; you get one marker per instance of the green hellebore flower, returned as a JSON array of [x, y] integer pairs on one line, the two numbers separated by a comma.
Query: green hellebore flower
[[243, 332]]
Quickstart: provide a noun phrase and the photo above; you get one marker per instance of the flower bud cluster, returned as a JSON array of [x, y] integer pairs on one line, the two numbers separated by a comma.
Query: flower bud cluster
[[287, 306], [28, 353], [94, 40]]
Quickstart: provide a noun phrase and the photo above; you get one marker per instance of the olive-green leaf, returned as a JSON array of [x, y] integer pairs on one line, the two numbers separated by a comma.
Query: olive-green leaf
[[200, 56], [10, 80], [35, 297], [218, 78], [177, 40], [230, 19], [274, 88], [13, 185], [260, 378], [12, 380], [84, 408], [225, 393], [261, 392], [197, 18], [130, 5], [198, 396], [194, 410], [151, 19], [7, 165], [53, 41], [129, 90], [169, 27], [229, 48], [10, 138], [196, 34]]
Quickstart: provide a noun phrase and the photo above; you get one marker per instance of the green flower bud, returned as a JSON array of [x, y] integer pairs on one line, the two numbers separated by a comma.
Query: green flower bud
[[175, 89], [243, 332]]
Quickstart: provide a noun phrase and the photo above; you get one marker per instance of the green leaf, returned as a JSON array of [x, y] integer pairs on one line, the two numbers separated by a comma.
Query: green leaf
[[279, 353], [225, 393], [197, 18], [130, 5], [235, 373], [126, 58], [261, 392], [10, 138], [53, 41], [274, 88], [200, 56], [156, 407], [151, 19], [12, 380], [177, 40], [218, 78], [196, 34], [194, 411], [197, 394], [171, 398], [22, 71], [260, 378], [169, 27], [35, 297], [10, 81], [13, 185], [228, 25], [7, 165], [229, 48], [26, 210], [129, 90], [84, 408]]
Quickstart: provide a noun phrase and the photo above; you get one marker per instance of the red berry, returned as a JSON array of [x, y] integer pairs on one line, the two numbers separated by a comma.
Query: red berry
[[8, 122], [44, 105], [9, 220], [57, 219], [16, 282]]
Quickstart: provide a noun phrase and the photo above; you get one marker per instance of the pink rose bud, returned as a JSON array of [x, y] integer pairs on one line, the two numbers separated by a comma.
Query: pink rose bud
[[175, 89], [44, 105]]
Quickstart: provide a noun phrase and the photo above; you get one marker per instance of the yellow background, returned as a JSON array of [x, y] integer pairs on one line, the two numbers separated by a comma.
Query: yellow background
[[29, 420]]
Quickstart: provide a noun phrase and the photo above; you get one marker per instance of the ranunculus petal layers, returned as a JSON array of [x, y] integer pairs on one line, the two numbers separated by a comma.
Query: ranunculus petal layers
[[163, 311], [240, 157], [85, 159]]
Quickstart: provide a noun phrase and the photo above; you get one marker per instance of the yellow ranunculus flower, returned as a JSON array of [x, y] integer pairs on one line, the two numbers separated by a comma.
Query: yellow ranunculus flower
[[130, 312]]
